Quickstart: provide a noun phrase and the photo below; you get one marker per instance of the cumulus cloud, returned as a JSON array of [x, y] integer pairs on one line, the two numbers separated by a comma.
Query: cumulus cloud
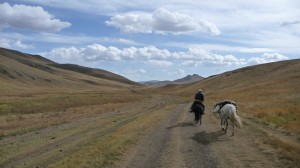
[[11, 43], [29, 17], [266, 58], [149, 54], [161, 21], [96, 52], [63, 53], [193, 57], [198, 56]]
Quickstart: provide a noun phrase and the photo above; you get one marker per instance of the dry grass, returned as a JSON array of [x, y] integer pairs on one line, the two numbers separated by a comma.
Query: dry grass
[[108, 149], [288, 151], [29, 114]]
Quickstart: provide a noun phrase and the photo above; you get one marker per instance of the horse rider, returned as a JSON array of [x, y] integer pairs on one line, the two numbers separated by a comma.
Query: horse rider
[[199, 99]]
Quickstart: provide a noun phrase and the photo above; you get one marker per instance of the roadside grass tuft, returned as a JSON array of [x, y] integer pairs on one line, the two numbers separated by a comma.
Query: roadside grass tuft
[[287, 151]]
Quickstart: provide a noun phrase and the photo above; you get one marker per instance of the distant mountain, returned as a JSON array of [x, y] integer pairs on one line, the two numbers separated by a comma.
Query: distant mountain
[[186, 79], [189, 78], [23, 71]]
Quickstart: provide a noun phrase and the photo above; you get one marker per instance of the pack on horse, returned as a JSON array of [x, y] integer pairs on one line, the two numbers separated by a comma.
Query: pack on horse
[[228, 110], [198, 106]]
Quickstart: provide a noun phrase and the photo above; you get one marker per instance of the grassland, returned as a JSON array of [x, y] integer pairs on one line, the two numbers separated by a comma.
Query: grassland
[[19, 114], [99, 126]]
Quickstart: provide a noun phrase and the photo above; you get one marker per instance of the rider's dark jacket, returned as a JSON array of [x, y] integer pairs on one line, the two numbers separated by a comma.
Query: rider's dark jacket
[[199, 96]]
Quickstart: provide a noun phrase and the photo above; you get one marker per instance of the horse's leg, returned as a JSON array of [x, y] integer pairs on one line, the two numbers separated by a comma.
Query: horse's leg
[[226, 126], [200, 119], [197, 117], [233, 130], [223, 124]]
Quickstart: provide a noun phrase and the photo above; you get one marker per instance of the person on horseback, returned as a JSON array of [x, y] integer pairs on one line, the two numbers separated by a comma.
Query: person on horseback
[[198, 106]]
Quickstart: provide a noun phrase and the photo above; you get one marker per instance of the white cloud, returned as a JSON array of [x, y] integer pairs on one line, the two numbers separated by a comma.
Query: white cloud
[[160, 63], [63, 54], [162, 21], [203, 57], [11, 43], [132, 22], [5, 43], [20, 44], [194, 57], [96, 52], [266, 58], [29, 17]]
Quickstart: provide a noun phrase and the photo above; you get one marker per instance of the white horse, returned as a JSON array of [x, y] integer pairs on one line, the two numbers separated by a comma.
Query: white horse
[[228, 111]]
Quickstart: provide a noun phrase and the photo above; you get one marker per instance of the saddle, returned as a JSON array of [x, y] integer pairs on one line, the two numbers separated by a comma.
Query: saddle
[[223, 103], [198, 106]]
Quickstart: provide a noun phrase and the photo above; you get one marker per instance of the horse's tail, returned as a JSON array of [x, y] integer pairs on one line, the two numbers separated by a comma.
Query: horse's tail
[[237, 121]]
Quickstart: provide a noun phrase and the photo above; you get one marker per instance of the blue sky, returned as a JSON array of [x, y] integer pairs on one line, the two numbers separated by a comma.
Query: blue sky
[[154, 40]]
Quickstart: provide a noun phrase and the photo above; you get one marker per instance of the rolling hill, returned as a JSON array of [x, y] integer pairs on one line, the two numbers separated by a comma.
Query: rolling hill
[[21, 72]]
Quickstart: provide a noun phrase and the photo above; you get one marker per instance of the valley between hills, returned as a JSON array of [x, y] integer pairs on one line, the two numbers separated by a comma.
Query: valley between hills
[[64, 115]]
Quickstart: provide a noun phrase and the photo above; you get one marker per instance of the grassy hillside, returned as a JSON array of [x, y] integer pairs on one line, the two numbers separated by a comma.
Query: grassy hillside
[[21, 72], [95, 72], [270, 93]]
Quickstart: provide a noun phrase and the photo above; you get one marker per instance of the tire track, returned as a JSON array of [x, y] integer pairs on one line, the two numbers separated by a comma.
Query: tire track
[[150, 150], [56, 148]]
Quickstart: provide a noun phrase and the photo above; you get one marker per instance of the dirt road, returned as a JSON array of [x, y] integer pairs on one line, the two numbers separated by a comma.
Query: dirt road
[[178, 142]]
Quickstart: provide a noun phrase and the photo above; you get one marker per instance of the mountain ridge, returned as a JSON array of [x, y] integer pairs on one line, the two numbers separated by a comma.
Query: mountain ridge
[[183, 80]]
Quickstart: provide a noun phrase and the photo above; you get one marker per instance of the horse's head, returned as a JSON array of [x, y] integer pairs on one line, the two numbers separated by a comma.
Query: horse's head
[[216, 109]]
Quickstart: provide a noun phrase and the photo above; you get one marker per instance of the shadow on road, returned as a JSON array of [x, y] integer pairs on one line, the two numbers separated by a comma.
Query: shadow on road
[[207, 138], [181, 124]]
